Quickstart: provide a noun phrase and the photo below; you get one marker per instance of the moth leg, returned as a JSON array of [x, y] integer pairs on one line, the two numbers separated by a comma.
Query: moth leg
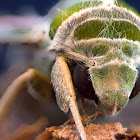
[[34, 77], [65, 94], [91, 117]]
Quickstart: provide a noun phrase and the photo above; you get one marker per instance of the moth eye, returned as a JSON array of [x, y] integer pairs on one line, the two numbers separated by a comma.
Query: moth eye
[[136, 88], [83, 83]]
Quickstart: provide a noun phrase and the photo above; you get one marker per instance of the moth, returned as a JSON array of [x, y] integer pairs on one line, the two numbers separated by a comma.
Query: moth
[[97, 44]]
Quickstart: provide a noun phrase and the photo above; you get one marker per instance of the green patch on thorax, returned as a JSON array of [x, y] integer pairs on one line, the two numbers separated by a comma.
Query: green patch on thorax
[[111, 56], [92, 49], [59, 18], [107, 29], [122, 75], [108, 49], [100, 75], [116, 96], [130, 50], [127, 76]]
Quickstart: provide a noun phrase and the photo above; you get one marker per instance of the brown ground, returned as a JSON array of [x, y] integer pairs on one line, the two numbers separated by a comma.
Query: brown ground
[[68, 131], [94, 132]]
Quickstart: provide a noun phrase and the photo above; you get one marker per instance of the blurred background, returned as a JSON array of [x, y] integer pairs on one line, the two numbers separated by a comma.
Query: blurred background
[[16, 59], [43, 6]]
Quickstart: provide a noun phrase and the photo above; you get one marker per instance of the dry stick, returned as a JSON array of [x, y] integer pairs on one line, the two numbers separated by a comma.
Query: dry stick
[[11, 93]]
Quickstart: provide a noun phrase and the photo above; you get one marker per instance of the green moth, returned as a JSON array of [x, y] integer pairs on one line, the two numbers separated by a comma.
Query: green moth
[[97, 43], [104, 38]]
